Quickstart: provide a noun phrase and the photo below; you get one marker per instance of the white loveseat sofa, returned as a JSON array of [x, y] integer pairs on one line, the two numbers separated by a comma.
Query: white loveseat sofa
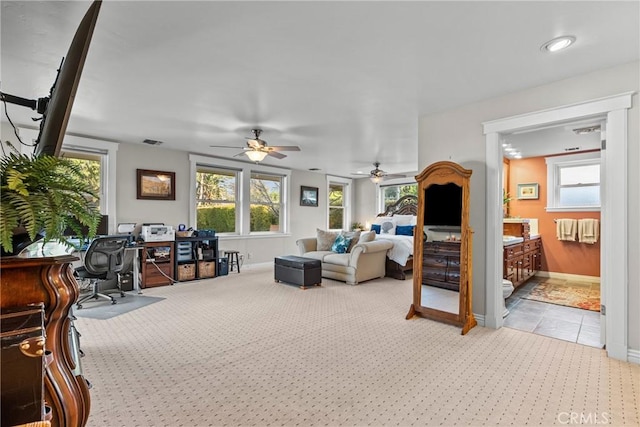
[[365, 261]]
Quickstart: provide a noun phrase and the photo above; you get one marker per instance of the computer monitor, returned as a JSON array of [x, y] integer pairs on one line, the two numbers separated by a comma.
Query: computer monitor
[[103, 228]]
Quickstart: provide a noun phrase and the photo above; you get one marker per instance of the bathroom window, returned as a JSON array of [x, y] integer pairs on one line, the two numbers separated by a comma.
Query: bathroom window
[[573, 182]]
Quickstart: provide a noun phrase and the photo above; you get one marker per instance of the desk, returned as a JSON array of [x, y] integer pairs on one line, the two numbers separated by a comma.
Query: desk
[[136, 266]]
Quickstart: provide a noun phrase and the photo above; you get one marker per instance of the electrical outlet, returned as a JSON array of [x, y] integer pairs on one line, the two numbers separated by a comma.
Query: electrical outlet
[[249, 254]]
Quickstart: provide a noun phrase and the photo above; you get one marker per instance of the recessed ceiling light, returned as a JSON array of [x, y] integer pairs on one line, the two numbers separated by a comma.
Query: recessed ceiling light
[[558, 43]]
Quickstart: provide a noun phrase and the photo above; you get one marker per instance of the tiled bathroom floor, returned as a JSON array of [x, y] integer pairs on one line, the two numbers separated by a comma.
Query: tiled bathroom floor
[[556, 321]]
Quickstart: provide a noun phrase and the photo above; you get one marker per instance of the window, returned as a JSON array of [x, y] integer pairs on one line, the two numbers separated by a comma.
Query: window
[[574, 182], [98, 159], [265, 202], [216, 198], [238, 198], [336, 207], [389, 194], [339, 202], [91, 168]]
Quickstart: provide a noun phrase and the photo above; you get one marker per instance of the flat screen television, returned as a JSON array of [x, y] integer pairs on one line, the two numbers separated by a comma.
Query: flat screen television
[[443, 206], [56, 115]]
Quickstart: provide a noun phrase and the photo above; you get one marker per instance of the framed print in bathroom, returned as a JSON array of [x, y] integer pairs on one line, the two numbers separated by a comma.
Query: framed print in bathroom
[[156, 185], [528, 191]]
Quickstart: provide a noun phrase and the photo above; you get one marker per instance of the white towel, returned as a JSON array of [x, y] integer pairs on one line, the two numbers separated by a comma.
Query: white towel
[[588, 230], [566, 229]]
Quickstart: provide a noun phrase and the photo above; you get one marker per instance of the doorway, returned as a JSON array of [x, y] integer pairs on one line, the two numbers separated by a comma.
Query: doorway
[[554, 295], [614, 266]]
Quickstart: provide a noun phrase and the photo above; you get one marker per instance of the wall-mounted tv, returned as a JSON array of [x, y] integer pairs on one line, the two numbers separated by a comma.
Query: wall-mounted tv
[[443, 205], [56, 108], [56, 116]]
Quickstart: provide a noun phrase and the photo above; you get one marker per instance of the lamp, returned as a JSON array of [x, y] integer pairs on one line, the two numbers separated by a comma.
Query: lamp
[[256, 155], [376, 179]]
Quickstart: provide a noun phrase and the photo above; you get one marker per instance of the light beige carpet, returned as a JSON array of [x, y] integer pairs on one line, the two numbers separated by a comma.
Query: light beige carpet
[[241, 350]]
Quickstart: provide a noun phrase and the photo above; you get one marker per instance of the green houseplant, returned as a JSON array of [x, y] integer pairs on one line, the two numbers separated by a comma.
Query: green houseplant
[[43, 195]]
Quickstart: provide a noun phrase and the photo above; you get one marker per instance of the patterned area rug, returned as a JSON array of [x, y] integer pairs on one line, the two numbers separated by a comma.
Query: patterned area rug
[[584, 295]]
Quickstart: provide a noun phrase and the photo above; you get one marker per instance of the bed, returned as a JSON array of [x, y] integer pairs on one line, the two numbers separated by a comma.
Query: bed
[[400, 257]]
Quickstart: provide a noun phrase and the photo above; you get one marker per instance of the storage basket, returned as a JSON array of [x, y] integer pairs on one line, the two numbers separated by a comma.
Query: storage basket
[[186, 272], [187, 233], [207, 269]]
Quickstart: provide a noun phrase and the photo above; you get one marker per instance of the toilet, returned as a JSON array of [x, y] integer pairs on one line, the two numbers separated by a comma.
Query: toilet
[[507, 290]]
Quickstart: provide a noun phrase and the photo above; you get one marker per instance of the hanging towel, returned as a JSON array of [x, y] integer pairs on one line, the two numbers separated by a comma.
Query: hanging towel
[[588, 230], [566, 229]]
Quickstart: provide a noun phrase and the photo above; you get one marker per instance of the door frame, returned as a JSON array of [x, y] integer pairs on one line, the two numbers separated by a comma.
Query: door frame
[[614, 214]]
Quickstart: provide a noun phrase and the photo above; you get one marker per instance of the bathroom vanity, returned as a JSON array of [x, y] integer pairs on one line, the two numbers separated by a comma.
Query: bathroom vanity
[[522, 256]]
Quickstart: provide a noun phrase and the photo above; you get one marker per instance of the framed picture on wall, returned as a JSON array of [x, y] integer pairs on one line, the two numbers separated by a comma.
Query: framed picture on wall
[[308, 196], [156, 185], [527, 191]]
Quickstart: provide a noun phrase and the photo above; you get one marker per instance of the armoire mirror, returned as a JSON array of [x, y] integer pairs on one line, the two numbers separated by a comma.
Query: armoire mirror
[[442, 280]]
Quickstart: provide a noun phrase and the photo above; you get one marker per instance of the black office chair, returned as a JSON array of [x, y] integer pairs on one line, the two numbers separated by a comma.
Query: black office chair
[[103, 261]]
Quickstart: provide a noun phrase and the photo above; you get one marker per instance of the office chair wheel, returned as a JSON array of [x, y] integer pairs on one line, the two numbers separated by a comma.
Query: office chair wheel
[[113, 302], [79, 306]]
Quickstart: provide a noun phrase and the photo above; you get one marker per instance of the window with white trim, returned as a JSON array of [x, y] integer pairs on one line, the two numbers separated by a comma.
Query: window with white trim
[[573, 182], [90, 166], [339, 202], [237, 198], [266, 206], [216, 199]]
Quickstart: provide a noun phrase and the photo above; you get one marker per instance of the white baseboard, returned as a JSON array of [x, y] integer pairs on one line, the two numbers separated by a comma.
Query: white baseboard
[[567, 276], [479, 319], [633, 356]]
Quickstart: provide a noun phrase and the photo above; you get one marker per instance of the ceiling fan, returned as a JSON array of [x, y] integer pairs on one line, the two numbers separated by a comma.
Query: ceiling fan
[[377, 175], [257, 149]]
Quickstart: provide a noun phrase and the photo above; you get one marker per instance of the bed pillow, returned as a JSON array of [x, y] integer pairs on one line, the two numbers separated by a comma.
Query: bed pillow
[[405, 230], [325, 239], [404, 220], [387, 225], [376, 228], [341, 244]]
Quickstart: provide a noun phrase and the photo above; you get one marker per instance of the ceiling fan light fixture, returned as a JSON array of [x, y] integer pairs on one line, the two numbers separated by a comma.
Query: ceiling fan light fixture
[[558, 43], [376, 179], [256, 155]]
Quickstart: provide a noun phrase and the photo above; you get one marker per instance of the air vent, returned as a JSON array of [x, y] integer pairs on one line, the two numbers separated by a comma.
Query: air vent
[[572, 149], [314, 169], [152, 142]]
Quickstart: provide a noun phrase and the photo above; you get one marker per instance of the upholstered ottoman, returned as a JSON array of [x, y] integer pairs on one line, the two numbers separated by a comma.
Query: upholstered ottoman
[[297, 270]]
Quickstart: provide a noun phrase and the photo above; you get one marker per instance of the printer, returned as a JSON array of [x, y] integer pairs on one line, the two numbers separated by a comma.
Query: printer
[[157, 233]]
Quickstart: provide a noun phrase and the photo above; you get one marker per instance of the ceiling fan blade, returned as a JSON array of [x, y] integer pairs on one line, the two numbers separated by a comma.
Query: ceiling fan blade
[[276, 154], [239, 154], [227, 146], [392, 176], [359, 173], [283, 148]]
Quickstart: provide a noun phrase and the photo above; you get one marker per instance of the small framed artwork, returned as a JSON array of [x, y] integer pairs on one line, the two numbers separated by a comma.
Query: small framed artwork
[[528, 191], [156, 185], [308, 196]]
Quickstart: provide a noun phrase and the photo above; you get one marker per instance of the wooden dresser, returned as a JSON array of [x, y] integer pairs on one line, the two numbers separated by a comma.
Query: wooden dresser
[[441, 265], [49, 282]]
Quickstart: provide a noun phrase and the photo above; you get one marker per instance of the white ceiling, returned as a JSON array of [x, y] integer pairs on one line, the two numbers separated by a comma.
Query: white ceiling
[[346, 81]]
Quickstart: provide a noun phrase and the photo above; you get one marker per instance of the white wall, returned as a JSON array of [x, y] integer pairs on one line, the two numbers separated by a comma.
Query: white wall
[[457, 135], [304, 219]]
